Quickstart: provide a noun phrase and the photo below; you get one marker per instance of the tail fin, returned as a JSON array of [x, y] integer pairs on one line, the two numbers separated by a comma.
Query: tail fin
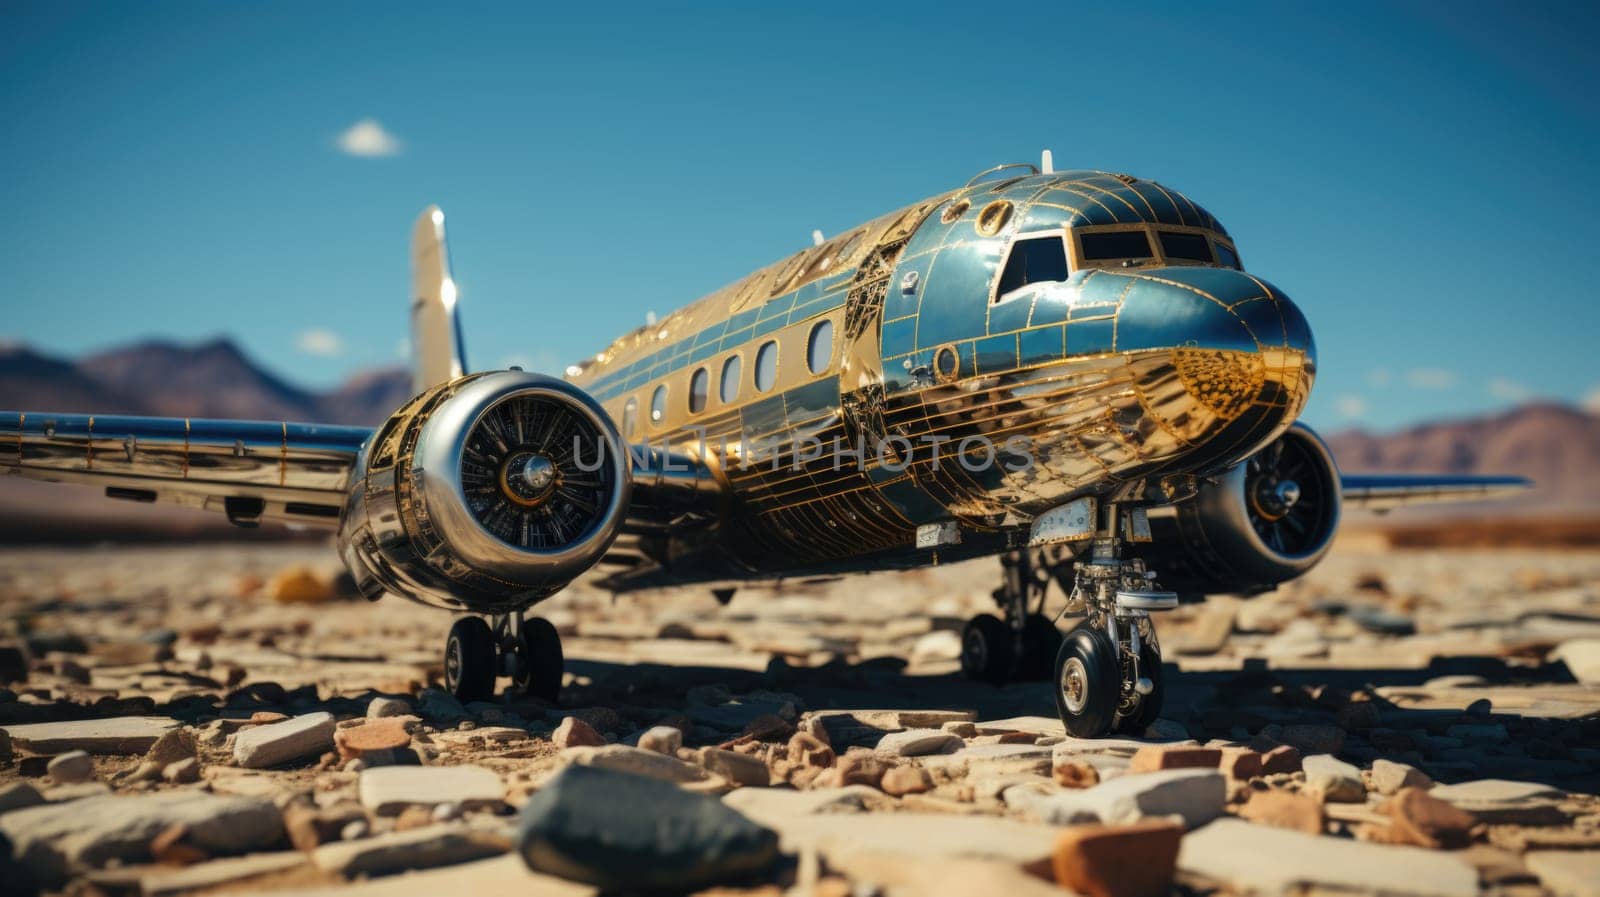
[[436, 348]]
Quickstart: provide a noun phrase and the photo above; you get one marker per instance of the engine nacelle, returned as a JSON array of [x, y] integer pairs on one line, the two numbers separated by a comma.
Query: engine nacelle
[[1267, 520], [486, 494]]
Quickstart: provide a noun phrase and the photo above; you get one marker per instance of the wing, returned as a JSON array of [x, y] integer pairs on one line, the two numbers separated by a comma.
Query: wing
[[249, 470], [1381, 492]]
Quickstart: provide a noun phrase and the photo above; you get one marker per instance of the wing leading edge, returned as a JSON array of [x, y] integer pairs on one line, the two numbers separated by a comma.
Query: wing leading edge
[[1382, 492], [249, 470]]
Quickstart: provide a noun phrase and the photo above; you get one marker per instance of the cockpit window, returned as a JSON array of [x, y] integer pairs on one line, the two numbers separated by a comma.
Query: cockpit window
[[1227, 257], [1116, 244], [1188, 247], [1033, 261]]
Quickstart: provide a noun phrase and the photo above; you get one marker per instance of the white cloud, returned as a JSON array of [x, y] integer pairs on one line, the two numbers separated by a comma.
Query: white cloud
[[368, 138], [1591, 402], [1351, 407], [1430, 378], [1509, 390], [318, 342]]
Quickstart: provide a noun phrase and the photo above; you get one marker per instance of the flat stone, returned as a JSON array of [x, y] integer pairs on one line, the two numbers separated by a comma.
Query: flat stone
[[772, 806], [379, 735], [917, 837], [1284, 809], [1276, 861], [422, 848], [628, 833], [919, 742], [1388, 777], [740, 769], [1197, 795], [1118, 861], [386, 790], [58, 840], [215, 873], [1505, 801], [117, 735], [1426, 821], [278, 743], [1334, 779], [639, 762], [71, 767], [1566, 873], [1154, 758]]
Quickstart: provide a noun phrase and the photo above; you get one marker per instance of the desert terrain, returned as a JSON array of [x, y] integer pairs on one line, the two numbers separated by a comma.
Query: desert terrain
[[214, 718]]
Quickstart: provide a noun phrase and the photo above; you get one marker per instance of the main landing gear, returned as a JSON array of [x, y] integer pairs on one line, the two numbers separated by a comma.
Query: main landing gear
[[1106, 673], [527, 650]]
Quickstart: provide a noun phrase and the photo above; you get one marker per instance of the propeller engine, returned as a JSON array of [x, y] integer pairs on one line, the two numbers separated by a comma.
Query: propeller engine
[[1267, 520], [486, 493]]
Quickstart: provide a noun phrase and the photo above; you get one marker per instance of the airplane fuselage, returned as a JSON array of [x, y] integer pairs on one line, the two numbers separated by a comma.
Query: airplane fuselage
[[981, 356]]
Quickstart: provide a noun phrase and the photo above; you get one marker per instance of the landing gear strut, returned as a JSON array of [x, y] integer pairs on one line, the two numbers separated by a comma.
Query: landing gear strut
[[1023, 644], [1108, 670], [529, 651]]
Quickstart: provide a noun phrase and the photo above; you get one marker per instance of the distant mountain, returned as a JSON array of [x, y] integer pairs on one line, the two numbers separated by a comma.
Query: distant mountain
[[212, 379], [1556, 446]]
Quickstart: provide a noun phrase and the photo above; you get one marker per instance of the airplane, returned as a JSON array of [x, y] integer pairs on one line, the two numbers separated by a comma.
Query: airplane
[[1070, 370]]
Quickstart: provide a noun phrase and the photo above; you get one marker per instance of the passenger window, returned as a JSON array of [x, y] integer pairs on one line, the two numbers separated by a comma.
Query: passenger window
[[630, 418], [730, 379], [766, 365], [1227, 257], [658, 404], [1116, 244], [699, 386], [819, 347], [1188, 247], [1033, 261]]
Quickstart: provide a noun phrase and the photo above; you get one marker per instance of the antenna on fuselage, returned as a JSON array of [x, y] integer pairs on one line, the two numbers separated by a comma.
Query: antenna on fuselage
[[817, 239], [1047, 162]]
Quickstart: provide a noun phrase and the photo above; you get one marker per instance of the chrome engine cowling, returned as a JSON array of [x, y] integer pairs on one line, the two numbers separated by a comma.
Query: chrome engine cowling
[[486, 494], [1265, 521]]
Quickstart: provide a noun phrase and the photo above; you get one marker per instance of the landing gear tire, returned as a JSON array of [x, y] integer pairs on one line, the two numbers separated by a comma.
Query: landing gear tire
[[540, 662], [1040, 642], [1087, 682], [469, 660], [987, 649], [1148, 708]]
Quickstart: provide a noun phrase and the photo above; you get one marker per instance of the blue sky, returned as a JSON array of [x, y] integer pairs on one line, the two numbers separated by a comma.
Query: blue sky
[[1419, 177]]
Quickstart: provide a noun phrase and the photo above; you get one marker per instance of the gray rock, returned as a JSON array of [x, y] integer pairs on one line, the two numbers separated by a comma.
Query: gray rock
[[639, 762], [19, 796], [58, 840], [278, 743], [71, 767], [1388, 777], [440, 706], [117, 735], [381, 707], [919, 743], [626, 833], [386, 790], [1335, 779], [1267, 860], [1197, 795], [434, 845]]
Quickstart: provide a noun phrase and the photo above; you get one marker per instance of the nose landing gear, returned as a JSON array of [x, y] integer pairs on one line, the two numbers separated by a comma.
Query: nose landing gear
[[529, 651], [1108, 671]]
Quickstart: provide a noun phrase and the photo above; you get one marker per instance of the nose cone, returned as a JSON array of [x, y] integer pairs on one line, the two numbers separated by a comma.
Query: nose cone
[[1242, 351]]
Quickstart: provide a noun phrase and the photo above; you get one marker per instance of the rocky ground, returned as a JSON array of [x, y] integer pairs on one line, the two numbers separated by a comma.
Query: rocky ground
[[181, 720]]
